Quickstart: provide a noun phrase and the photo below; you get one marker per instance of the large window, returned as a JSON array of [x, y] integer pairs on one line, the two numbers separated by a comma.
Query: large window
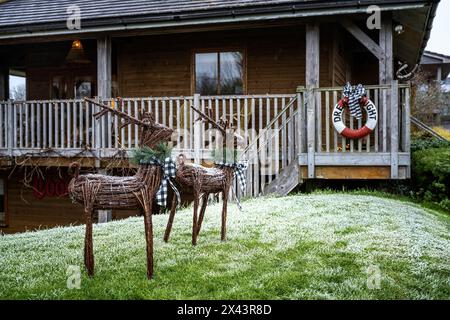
[[219, 73]]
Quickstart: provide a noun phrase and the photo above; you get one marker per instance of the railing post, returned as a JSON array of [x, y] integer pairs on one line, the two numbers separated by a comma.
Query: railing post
[[407, 137], [97, 134], [197, 132], [394, 129], [10, 128], [311, 130]]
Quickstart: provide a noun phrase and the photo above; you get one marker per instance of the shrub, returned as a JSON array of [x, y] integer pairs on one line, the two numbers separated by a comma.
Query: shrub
[[443, 132], [428, 143], [431, 171]]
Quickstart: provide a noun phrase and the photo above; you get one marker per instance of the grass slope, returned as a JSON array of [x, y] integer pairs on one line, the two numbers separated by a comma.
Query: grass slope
[[320, 246]]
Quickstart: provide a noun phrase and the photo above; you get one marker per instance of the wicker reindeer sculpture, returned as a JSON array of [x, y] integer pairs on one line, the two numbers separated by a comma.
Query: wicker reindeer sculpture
[[97, 191], [206, 181]]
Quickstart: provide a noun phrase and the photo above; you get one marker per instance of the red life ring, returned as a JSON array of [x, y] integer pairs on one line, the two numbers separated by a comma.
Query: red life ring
[[371, 123]]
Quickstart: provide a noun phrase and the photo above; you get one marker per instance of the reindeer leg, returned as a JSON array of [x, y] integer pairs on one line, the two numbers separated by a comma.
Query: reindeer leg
[[146, 199], [171, 217], [223, 235], [194, 218], [202, 213], [88, 244]]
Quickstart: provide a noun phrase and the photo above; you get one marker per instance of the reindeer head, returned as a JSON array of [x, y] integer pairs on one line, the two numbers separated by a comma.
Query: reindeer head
[[224, 126], [153, 133]]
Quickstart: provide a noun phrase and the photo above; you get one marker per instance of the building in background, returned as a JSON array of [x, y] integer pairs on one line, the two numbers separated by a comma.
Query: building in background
[[436, 67]]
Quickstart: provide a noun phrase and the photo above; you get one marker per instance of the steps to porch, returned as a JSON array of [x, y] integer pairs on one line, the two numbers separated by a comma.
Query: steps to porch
[[287, 137]]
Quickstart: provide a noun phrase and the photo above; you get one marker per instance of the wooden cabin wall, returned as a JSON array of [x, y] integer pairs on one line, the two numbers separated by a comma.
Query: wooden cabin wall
[[27, 212], [47, 60], [163, 65], [339, 59]]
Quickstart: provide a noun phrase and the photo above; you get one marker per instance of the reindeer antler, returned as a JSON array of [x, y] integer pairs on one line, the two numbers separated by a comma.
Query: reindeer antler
[[222, 125], [128, 119], [221, 128]]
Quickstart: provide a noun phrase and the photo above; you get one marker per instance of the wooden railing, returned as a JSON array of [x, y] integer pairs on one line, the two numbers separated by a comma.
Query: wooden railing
[[277, 129], [69, 126], [387, 145]]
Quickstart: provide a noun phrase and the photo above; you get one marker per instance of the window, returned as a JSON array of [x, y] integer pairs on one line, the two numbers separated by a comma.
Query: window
[[3, 217], [83, 88], [219, 73], [17, 86]]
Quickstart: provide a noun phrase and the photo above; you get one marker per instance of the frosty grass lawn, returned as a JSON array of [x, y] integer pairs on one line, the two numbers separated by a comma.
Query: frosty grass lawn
[[319, 246]]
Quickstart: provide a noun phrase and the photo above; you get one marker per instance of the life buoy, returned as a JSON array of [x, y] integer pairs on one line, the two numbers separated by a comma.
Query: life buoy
[[371, 123]]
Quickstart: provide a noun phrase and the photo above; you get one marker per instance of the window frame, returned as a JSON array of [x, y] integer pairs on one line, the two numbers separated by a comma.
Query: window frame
[[218, 50]]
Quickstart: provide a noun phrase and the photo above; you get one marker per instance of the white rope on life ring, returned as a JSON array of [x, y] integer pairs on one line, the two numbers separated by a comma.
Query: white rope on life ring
[[341, 128]]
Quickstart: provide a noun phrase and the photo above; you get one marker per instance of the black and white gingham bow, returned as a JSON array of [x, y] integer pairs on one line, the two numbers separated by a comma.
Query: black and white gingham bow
[[240, 168], [169, 172], [353, 95]]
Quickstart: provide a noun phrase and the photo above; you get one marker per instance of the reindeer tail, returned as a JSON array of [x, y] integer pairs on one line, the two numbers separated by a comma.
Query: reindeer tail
[[74, 169]]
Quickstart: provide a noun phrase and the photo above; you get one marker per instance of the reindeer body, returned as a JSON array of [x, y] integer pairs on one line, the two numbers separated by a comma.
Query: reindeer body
[[97, 191], [204, 181]]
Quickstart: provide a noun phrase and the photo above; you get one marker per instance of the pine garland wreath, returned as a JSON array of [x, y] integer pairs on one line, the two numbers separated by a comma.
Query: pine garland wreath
[[146, 154]]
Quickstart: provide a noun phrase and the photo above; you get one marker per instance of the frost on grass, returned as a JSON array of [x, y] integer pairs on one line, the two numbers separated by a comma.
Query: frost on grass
[[307, 246]]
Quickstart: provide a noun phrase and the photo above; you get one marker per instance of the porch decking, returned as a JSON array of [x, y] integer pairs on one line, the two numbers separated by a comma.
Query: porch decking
[[287, 137]]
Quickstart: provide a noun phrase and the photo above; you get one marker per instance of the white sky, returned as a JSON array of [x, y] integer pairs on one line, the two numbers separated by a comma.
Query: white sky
[[440, 34]]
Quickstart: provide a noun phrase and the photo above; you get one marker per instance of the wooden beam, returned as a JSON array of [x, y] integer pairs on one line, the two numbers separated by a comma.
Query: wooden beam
[[311, 129], [363, 38], [394, 130], [386, 63], [312, 81], [357, 159], [104, 81], [312, 54], [104, 84]]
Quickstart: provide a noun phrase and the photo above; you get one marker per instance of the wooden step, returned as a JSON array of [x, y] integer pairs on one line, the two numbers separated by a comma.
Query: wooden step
[[285, 182]]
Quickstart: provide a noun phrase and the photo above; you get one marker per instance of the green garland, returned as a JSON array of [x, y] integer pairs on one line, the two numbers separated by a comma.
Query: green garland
[[146, 154]]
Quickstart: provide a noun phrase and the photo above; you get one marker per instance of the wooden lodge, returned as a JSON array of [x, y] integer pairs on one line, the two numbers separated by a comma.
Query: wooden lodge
[[274, 68]]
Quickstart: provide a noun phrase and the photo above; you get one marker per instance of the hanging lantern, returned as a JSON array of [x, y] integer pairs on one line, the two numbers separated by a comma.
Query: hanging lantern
[[76, 54]]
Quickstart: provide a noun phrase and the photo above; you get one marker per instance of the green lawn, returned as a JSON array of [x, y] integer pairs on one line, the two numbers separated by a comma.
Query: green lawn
[[319, 246]]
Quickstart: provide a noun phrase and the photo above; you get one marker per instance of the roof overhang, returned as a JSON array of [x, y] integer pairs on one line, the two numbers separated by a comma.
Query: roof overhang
[[409, 50], [298, 10]]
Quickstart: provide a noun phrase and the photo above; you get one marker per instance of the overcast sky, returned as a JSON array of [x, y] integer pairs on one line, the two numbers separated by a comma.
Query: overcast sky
[[440, 34]]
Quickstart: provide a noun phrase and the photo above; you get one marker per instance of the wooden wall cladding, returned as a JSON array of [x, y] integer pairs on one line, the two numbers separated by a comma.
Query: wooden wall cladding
[[28, 212]]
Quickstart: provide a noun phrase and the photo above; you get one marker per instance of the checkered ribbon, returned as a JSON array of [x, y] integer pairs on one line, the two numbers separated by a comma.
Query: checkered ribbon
[[239, 172], [169, 172], [354, 95]]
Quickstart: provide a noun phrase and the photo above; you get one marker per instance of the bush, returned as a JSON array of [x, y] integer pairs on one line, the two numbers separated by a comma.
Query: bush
[[428, 143], [443, 132], [431, 171]]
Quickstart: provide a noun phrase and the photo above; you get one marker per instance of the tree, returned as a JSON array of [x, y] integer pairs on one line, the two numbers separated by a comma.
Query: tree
[[428, 98], [18, 92]]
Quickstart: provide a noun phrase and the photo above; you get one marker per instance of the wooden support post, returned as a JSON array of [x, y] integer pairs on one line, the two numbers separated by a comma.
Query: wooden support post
[[104, 67], [312, 82], [407, 139], [394, 129], [439, 74], [104, 83], [10, 112], [198, 132], [311, 128], [386, 67]]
